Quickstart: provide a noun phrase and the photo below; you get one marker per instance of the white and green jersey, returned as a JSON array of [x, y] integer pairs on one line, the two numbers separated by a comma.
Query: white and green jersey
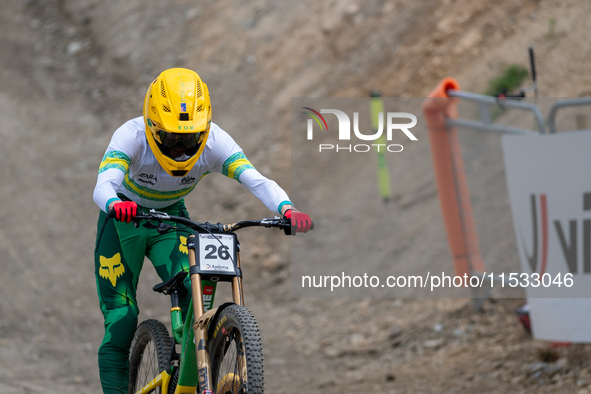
[[130, 168]]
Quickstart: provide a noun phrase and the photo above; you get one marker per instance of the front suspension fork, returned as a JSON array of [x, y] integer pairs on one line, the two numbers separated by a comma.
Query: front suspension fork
[[202, 354]]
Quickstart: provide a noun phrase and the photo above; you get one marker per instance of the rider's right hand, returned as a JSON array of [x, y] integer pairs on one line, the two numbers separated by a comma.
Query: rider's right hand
[[125, 210]]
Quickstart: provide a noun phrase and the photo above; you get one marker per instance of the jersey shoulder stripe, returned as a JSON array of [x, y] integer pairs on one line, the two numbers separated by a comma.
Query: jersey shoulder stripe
[[235, 165], [115, 159]]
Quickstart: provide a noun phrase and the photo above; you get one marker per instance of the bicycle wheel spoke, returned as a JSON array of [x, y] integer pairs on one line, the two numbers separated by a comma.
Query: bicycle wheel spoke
[[147, 368]]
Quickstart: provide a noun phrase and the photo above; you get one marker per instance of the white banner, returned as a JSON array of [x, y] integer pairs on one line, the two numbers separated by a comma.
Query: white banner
[[549, 182]]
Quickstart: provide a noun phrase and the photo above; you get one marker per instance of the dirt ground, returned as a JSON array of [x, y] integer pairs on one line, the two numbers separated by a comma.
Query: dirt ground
[[72, 71]]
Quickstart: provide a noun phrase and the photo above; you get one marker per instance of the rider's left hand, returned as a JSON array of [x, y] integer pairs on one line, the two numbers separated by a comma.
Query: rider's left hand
[[300, 221]]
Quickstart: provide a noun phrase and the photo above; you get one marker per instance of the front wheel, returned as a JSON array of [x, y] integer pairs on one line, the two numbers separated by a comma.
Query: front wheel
[[236, 353], [149, 354]]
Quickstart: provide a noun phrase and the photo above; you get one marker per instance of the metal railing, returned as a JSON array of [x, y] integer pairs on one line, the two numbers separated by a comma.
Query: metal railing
[[486, 123], [485, 103], [564, 104]]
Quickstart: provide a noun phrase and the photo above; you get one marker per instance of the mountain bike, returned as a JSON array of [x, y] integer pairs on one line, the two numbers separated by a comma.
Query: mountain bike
[[221, 350]]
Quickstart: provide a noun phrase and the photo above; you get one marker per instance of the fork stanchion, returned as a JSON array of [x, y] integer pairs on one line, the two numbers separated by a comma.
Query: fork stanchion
[[237, 292], [203, 364]]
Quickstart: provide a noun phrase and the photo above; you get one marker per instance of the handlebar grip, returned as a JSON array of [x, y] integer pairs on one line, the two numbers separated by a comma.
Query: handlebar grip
[[111, 214], [287, 228]]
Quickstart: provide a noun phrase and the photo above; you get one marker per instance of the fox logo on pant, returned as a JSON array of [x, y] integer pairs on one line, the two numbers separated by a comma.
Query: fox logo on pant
[[111, 268], [183, 246]]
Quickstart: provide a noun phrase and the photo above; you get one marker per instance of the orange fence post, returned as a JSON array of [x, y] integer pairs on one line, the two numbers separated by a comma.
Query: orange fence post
[[450, 176]]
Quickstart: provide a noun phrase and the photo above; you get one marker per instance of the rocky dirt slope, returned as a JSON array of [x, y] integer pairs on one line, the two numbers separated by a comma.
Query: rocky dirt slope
[[73, 71]]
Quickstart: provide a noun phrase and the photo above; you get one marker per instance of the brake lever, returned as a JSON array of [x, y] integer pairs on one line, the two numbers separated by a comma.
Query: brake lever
[[271, 222]]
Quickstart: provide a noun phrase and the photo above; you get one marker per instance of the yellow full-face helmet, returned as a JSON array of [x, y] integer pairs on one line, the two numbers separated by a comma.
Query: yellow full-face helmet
[[177, 113]]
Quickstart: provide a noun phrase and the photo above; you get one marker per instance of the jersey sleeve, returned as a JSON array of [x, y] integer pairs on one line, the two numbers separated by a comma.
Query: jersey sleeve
[[266, 190], [229, 160], [115, 165]]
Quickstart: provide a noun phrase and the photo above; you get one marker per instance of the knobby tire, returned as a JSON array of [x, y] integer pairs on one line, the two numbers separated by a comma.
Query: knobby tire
[[236, 353], [149, 354]]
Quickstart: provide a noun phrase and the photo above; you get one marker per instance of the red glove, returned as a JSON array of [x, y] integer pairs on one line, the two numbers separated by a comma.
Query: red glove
[[300, 221], [125, 210]]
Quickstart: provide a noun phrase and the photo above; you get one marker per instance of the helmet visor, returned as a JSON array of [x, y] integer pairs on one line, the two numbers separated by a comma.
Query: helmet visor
[[178, 140]]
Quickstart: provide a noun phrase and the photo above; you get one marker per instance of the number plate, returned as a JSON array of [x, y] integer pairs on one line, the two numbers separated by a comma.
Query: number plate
[[217, 253]]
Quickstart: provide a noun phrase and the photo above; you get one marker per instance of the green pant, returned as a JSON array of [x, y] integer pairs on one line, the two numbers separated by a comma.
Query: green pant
[[118, 261]]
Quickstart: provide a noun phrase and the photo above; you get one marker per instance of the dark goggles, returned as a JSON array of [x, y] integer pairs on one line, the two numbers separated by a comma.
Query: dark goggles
[[171, 140]]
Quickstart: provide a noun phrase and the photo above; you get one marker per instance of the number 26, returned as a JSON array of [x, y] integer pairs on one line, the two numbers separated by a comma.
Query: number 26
[[222, 252]]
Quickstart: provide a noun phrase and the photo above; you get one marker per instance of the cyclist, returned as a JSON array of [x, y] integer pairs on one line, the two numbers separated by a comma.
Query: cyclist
[[154, 161]]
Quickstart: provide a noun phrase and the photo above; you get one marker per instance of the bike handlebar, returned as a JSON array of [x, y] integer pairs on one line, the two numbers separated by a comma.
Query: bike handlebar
[[278, 222], [161, 217]]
